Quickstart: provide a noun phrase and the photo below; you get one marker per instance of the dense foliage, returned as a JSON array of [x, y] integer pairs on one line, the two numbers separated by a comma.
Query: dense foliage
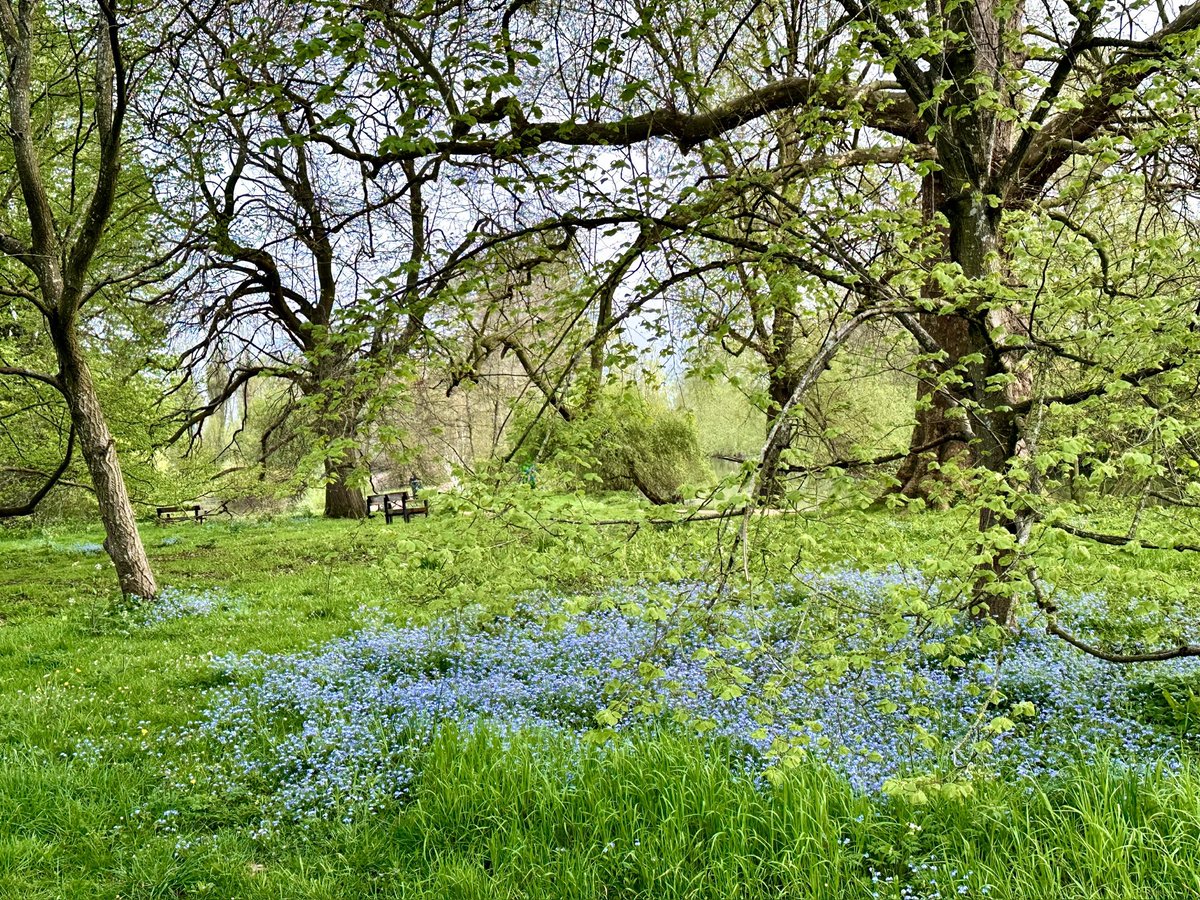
[[626, 441]]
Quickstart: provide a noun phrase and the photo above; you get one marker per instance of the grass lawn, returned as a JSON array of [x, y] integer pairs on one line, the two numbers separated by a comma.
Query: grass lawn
[[97, 796]]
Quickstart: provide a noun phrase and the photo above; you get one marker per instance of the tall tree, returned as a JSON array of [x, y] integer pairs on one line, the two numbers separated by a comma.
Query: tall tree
[[298, 252], [55, 234]]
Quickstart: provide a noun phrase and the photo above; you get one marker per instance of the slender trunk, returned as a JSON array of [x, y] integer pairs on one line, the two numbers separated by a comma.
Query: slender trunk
[[782, 381], [60, 253], [99, 450], [598, 351]]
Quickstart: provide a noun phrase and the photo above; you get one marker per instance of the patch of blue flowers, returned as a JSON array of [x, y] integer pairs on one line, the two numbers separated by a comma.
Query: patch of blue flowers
[[86, 548], [182, 603], [342, 728]]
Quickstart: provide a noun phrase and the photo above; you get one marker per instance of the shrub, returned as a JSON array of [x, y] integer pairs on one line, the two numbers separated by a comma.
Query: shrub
[[626, 441]]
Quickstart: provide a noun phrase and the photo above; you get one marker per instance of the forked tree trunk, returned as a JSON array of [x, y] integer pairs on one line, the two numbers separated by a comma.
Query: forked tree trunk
[[99, 451], [59, 255]]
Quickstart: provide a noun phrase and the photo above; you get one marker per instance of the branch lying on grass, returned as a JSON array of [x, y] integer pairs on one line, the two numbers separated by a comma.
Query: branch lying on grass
[[699, 516], [1046, 605], [709, 516]]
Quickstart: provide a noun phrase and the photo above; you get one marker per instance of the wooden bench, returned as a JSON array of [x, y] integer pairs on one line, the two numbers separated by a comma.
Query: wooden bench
[[376, 502], [408, 510], [396, 504], [168, 515]]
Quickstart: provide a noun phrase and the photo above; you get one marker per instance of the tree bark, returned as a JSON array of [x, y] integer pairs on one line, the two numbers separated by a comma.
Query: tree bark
[[974, 245], [782, 381], [973, 145], [937, 413], [338, 411], [342, 501], [99, 451], [59, 256]]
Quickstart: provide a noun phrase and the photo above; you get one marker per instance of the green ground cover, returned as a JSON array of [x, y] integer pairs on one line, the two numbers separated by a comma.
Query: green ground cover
[[537, 814]]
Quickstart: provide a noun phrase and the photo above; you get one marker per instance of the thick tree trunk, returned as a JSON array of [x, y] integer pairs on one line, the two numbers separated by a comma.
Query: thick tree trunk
[[973, 149], [990, 391], [341, 500], [99, 450], [338, 404], [782, 381], [937, 412], [938, 418], [781, 384]]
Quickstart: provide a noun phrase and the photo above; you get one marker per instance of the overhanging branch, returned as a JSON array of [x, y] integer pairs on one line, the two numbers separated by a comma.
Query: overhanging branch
[[883, 107], [1050, 609], [30, 506]]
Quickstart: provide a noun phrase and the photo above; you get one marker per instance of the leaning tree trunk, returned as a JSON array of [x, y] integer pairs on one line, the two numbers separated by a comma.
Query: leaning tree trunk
[[99, 451]]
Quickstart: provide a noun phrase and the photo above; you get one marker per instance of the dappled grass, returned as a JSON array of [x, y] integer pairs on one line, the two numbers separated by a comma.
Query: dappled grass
[[489, 816]]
